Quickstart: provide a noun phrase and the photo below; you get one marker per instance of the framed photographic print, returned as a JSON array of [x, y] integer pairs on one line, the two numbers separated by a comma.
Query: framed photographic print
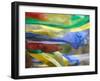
[[51, 40]]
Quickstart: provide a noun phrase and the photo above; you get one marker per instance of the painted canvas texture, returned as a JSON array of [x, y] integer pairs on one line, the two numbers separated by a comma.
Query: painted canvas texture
[[56, 40]]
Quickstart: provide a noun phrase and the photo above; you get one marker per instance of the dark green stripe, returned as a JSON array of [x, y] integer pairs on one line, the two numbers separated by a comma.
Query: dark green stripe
[[57, 25]]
